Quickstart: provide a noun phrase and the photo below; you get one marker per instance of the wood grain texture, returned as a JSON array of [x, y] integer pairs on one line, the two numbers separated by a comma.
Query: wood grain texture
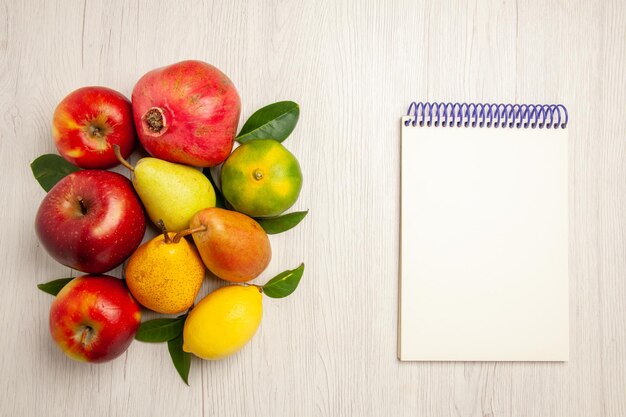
[[330, 349]]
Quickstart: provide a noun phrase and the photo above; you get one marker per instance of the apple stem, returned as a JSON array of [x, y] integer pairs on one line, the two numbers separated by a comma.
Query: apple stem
[[83, 208], [86, 335], [95, 131], [118, 154], [166, 236]]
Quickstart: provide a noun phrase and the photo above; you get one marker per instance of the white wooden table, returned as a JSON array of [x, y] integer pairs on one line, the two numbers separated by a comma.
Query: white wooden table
[[353, 66]]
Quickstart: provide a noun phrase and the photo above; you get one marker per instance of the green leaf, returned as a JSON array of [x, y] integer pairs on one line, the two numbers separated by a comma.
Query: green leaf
[[50, 168], [284, 283], [181, 359], [275, 121], [274, 225], [53, 287], [160, 330], [219, 198]]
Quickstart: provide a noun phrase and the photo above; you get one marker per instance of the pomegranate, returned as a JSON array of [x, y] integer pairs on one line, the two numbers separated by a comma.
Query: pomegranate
[[187, 113]]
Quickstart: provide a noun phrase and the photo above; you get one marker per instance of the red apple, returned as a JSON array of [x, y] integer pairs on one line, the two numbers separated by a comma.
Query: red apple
[[88, 122], [91, 220], [94, 318], [187, 113]]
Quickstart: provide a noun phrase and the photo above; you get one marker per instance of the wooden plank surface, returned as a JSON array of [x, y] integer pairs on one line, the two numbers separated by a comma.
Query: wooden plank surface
[[330, 349]]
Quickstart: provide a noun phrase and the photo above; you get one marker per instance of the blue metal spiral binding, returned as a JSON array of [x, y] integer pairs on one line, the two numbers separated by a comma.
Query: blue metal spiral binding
[[541, 116]]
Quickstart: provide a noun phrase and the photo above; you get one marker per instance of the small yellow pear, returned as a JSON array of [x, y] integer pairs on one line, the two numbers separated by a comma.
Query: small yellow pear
[[172, 192], [165, 274]]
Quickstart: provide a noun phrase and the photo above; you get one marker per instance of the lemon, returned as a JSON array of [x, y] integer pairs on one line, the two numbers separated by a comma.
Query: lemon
[[223, 322], [165, 277], [261, 178]]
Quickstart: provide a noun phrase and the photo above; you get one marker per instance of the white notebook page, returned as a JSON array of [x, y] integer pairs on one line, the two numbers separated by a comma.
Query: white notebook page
[[484, 244]]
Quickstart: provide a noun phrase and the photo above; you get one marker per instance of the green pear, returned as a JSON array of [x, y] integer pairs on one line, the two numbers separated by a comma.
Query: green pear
[[171, 192]]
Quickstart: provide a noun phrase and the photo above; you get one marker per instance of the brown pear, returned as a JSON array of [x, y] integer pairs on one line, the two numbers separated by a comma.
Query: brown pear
[[232, 245]]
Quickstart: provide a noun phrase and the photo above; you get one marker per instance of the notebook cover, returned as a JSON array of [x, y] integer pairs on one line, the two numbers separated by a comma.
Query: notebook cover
[[484, 244]]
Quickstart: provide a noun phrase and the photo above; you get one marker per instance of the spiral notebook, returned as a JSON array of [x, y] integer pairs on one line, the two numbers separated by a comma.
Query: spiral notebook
[[484, 233]]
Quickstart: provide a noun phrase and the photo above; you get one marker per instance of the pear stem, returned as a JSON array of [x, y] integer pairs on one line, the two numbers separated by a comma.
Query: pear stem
[[166, 236], [186, 232], [118, 154]]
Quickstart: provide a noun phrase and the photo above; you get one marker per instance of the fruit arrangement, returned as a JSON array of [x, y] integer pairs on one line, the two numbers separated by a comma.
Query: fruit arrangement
[[185, 116]]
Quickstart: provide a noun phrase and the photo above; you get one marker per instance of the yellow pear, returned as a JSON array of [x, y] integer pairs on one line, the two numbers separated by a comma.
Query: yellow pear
[[170, 192], [165, 274]]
